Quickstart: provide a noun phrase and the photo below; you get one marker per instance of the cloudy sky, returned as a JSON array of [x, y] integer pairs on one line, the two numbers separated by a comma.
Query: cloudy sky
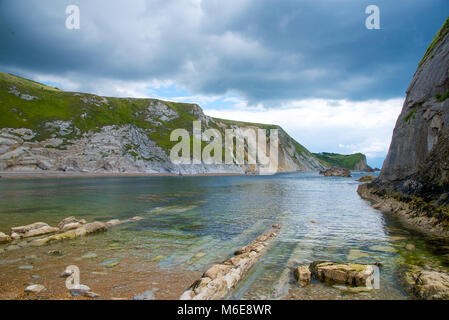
[[309, 65]]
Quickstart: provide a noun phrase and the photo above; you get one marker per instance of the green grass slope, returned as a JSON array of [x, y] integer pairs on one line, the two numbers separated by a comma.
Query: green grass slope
[[340, 160]]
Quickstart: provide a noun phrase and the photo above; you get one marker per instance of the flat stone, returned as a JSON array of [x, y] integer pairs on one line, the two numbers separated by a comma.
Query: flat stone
[[355, 254], [341, 273], [383, 249], [35, 288], [26, 267]]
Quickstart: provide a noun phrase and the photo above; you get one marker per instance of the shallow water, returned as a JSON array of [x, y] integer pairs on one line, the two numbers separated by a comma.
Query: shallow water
[[192, 222]]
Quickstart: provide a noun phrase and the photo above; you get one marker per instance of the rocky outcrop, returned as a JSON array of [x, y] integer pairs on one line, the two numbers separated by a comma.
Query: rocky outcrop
[[352, 274], [414, 180], [417, 159], [336, 172], [427, 283], [217, 282]]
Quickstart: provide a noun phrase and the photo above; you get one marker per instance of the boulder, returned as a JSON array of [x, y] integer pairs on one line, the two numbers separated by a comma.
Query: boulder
[[32, 230], [336, 172], [342, 273], [427, 283], [28, 228], [70, 222], [4, 238], [303, 275]]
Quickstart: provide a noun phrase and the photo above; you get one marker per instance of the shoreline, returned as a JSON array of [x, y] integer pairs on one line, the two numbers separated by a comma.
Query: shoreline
[[409, 216], [58, 174]]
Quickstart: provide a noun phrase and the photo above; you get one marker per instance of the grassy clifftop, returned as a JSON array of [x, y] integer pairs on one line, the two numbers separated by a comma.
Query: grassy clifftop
[[28, 104], [340, 160]]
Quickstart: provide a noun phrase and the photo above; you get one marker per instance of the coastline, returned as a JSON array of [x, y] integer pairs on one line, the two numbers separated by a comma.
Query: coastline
[[59, 174], [414, 214]]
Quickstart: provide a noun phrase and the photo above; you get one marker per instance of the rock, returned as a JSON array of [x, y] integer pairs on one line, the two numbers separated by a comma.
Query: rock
[[71, 226], [90, 255], [91, 294], [383, 248], [14, 235], [336, 172], [65, 221], [217, 270], [410, 247], [88, 228], [303, 275], [79, 290], [35, 288], [35, 277], [276, 226], [147, 295], [113, 223], [112, 264], [367, 178], [200, 255], [12, 247], [349, 289], [341, 273], [427, 284], [355, 254], [137, 218], [312, 221], [4, 238], [26, 267], [28, 228], [55, 253]]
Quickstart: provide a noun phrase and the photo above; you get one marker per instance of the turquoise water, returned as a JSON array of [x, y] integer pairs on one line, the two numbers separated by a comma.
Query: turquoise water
[[192, 222]]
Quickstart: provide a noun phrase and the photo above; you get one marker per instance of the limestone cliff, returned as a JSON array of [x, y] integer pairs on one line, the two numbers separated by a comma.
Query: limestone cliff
[[418, 159], [414, 180], [46, 129]]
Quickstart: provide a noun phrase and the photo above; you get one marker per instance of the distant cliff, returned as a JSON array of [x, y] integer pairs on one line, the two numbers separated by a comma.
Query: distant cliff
[[416, 170], [356, 161], [46, 129]]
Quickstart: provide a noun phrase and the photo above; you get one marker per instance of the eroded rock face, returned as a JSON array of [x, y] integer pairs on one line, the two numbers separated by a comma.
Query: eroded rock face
[[419, 151], [367, 178], [341, 273]]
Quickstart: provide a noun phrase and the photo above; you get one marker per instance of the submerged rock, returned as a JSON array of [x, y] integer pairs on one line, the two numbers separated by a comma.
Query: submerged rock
[[336, 172], [32, 230], [303, 275], [342, 273], [35, 288], [147, 295], [70, 223]]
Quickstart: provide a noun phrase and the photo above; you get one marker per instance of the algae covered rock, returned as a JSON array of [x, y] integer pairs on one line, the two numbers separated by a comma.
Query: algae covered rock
[[4, 238], [427, 283], [303, 275], [342, 273]]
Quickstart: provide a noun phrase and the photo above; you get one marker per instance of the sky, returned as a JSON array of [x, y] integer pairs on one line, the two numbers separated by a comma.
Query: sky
[[310, 66]]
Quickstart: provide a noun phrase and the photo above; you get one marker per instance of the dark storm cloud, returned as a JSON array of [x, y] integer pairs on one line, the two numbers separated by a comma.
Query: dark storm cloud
[[266, 51]]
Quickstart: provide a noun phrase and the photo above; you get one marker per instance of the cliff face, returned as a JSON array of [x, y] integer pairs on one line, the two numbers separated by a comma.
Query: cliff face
[[418, 159], [45, 129]]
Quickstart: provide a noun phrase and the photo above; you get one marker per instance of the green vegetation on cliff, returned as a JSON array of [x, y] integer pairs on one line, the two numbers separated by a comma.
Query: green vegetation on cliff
[[438, 37], [349, 161]]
